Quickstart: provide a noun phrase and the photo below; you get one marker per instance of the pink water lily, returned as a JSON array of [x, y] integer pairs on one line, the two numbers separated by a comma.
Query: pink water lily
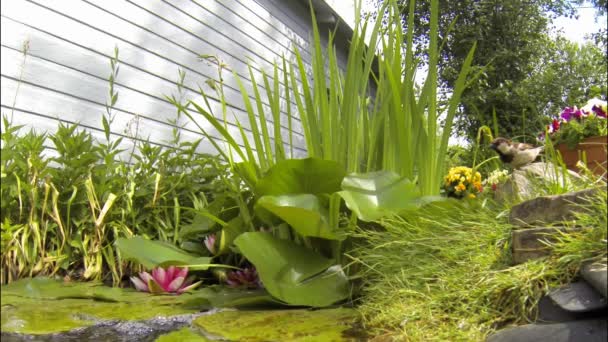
[[246, 277], [171, 280], [210, 243]]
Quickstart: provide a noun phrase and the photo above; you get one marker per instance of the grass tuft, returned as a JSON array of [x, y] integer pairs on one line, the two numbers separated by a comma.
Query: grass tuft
[[445, 273]]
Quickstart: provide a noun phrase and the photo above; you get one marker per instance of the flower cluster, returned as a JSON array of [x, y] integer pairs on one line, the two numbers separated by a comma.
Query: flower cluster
[[496, 178], [460, 182], [574, 124], [170, 280]]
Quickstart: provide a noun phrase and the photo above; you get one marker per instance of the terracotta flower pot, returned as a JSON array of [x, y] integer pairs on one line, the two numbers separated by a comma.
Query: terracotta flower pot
[[595, 149]]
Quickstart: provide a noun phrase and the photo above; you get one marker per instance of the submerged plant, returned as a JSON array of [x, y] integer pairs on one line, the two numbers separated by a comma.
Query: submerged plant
[[171, 280]]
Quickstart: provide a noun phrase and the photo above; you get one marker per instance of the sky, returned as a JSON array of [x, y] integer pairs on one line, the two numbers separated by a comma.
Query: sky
[[573, 29]]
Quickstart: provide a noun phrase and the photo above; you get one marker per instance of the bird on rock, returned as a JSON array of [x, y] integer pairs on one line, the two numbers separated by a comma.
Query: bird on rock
[[515, 154]]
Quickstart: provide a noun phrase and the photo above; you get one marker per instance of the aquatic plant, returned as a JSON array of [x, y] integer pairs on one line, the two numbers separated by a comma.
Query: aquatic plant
[[246, 277], [171, 280]]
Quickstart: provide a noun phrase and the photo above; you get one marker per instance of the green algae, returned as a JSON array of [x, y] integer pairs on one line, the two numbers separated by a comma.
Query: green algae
[[281, 325], [182, 335], [43, 306], [45, 316]]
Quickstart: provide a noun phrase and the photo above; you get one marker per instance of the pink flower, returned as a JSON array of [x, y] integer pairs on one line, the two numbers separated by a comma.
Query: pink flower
[[247, 277], [171, 280], [554, 125], [210, 243], [570, 113]]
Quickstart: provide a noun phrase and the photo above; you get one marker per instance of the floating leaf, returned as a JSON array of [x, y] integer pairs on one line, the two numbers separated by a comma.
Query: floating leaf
[[377, 194], [301, 176], [293, 273], [304, 213], [157, 253]]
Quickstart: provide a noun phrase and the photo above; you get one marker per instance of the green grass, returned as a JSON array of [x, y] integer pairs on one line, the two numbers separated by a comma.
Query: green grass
[[444, 273]]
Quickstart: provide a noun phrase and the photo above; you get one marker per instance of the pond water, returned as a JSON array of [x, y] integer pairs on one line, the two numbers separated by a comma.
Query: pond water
[[49, 310]]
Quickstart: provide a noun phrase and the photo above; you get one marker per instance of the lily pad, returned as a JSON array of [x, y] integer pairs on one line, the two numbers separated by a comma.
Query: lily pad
[[156, 253], [281, 325], [301, 176], [293, 273], [303, 212], [378, 194]]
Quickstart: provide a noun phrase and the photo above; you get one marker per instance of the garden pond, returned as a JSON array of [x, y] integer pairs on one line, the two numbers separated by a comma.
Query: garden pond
[[44, 309]]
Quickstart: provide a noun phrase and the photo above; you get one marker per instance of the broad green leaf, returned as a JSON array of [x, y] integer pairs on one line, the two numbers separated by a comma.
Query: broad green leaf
[[377, 194], [293, 273], [156, 253], [303, 212], [301, 176]]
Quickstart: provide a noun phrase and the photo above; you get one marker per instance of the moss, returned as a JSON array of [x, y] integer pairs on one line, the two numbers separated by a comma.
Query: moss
[[43, 306], [281, 325], [182, 335]]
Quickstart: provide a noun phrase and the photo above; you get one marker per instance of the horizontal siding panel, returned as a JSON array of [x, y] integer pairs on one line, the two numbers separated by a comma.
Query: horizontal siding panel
[[90, 62], [67, 108], [262, 21], [64, 77], [131, 53]]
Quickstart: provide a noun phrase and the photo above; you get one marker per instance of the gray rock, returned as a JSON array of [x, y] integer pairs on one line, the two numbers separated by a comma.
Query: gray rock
[[549, 312], [596, 274], [576, 331], [549, 209], [578, 297], [531, 243], [521, 184]]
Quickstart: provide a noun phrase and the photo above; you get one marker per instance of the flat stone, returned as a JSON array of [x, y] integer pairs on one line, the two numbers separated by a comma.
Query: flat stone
[[520, 185], [531, 243], [549, 312], [576, 331], [578, 297], [596, 274], [549, 209]]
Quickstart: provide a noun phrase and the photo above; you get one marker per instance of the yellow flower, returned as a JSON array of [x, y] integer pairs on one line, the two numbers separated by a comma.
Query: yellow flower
[[460, 187], [472, 196]]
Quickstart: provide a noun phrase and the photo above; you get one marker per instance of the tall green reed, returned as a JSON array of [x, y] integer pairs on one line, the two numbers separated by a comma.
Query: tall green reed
[[342, 119]]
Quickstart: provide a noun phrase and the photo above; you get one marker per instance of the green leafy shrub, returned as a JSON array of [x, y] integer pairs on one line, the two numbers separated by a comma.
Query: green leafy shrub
[[63, 213]]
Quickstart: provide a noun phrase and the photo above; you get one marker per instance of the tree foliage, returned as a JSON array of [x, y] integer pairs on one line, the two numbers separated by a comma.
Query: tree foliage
[[524, 73]]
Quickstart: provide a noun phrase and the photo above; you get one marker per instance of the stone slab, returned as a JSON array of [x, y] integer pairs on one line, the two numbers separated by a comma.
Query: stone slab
[[575, 331], [596, 274], [549, 312], [530, 243], [578, 297], [549, 209]]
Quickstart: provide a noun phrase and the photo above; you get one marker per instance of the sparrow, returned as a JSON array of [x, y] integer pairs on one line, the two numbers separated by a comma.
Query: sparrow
[[515, 154]]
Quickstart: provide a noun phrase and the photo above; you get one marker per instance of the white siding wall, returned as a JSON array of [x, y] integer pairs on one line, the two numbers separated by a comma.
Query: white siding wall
[[64, 76]]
